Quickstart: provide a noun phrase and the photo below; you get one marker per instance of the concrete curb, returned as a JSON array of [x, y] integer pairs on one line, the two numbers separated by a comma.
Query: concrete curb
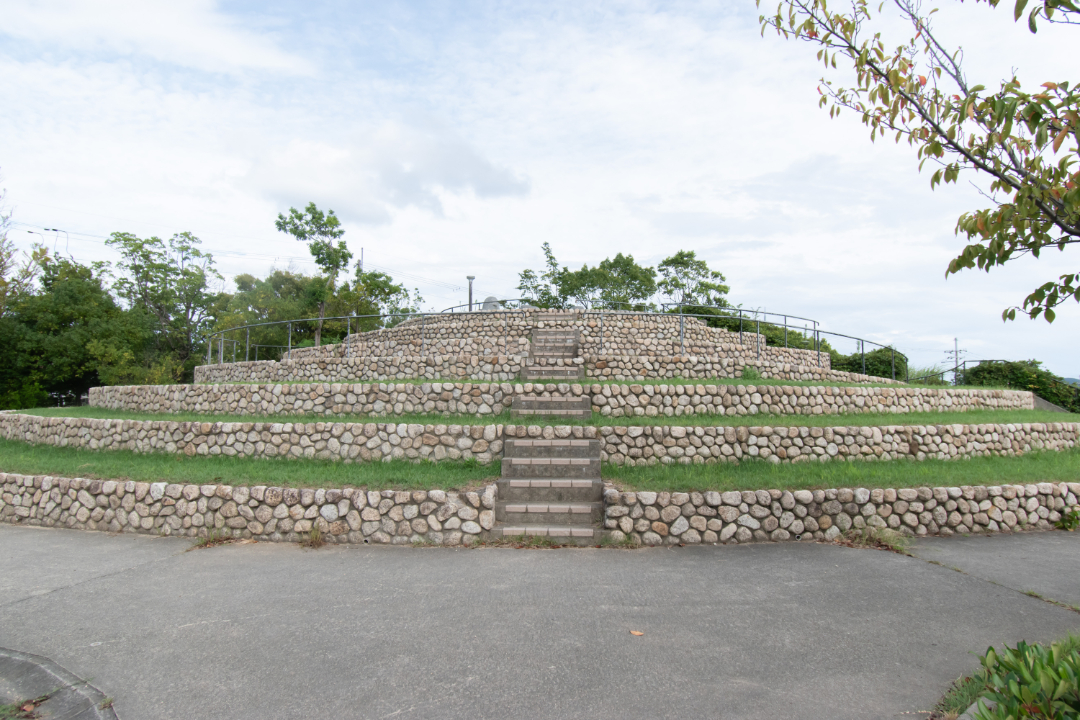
[[24, 677]]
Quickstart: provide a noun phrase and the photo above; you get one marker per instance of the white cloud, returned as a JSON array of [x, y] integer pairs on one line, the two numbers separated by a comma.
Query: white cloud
[[458, 147], [191, 34], [392, 166]]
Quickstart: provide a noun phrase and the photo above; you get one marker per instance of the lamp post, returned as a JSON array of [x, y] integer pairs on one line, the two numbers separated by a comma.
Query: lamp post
[[471, 278]]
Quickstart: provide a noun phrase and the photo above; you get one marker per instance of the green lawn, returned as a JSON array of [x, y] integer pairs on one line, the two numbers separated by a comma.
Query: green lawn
[[27, 459], [972, 417]]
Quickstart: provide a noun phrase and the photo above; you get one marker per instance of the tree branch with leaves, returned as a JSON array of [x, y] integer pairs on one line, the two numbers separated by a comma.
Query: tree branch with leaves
[[319, 230], [1025, 145]]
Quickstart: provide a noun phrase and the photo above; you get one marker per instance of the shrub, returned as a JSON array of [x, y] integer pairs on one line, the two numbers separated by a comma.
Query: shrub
[[879, 363], [1031, 681], [1025, 375]]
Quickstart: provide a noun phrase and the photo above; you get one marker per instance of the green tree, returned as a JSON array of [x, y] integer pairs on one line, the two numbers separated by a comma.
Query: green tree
[[620, 284], [616, 283], [375, 293], [1023, 144], [319, 231], [282, 295], [53, 332], [685, 280], [543, 289], [1025, 375], [170, 282]]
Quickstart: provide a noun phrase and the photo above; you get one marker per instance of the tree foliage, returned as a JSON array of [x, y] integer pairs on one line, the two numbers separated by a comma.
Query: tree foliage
[[67, 327], [1022, 145], [1024, 375], [319, 230], [685, 280], [171, 284], [620, 283]]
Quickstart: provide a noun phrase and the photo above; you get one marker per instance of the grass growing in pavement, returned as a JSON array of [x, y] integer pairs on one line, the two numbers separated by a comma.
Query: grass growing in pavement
[[971, 417], [759, 475], [27, 459]]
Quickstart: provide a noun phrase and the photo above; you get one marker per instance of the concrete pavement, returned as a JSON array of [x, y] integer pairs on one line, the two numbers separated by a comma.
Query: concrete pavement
[[757, 631]]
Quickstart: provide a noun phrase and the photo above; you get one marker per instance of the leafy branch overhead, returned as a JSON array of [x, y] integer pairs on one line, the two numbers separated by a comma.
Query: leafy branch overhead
[[1024, 144]]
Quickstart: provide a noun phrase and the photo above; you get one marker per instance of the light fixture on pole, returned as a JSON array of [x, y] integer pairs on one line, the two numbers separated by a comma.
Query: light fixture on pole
[[471, 278]]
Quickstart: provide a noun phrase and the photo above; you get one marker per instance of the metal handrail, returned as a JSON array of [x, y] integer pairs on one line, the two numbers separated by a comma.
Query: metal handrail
[[755, 316], [481, 302]]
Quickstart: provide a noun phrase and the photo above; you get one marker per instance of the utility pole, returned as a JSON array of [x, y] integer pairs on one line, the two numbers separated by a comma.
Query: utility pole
[[471, 278], [955, 354]]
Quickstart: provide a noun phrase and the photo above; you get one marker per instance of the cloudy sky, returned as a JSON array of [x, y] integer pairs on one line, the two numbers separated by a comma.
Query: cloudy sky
[[453, 138]]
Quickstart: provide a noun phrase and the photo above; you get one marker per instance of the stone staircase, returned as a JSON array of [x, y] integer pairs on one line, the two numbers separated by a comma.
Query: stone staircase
[[550, 488], [550, 345]]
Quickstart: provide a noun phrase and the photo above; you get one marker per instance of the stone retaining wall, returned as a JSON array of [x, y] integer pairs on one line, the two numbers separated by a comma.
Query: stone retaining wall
[[621, 445], [509, 333], [494, 398], [347, 515], [351, 442], [655, 518], [504, 368], [665, 444], [353, 515], [495, 368]]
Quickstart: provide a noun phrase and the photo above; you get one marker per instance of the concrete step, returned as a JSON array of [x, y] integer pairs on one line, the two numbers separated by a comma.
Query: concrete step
[[553, 413], [556, 353], [575, 407], [550, 467], [557, 448], [561, 534], [551, 372], [549, 513], [550, 490]]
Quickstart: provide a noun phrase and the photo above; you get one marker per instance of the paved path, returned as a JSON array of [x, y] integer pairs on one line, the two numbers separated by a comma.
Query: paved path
[[272, 631], [1046, 563]]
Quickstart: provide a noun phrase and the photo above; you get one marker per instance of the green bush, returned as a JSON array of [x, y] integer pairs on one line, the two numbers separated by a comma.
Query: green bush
[[879, 363], [1025, 375], [1031, 681], [29, 395]]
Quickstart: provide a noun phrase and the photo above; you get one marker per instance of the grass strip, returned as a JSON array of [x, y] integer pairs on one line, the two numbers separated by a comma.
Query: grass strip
[[28, 459], [970, 417]]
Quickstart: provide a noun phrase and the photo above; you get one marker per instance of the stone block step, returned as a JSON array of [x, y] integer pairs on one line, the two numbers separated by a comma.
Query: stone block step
[[549, 513], [551, 412], [553, 353], [562, 534], [556, 448], [580, 402], [519, 467], [576, 407], [551, 372], [550, 490]]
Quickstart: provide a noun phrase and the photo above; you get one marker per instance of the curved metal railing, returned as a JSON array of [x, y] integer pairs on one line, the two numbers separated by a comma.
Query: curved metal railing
[[808, 328]]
